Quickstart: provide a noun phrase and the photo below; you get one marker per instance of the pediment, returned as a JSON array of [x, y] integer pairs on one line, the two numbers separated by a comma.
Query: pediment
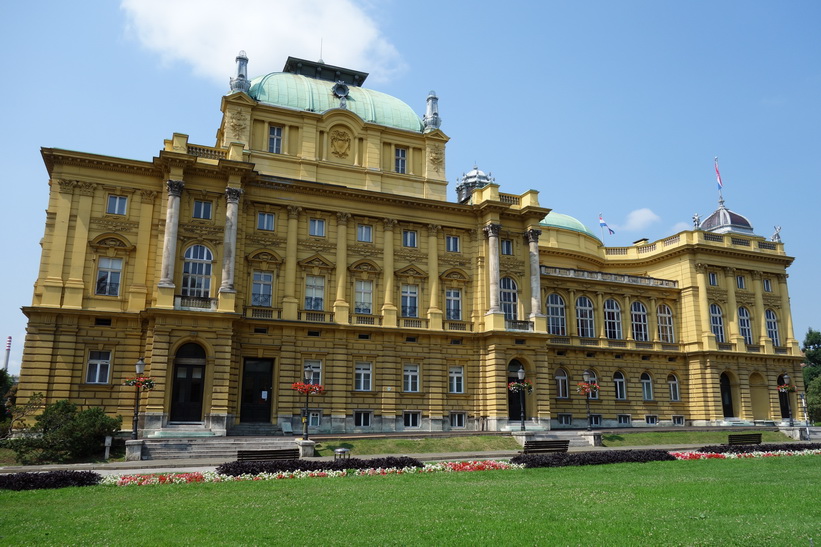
[[317, 261], [411, 271]]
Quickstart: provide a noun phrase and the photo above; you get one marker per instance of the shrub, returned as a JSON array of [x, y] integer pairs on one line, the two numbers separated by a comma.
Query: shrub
[[769, 447], [565, 459], [62, 433], [50, 479], [235, 469]]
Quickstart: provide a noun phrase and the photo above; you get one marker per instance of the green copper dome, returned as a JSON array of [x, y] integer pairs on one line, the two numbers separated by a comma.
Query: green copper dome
[[558, 220], [312, 95]]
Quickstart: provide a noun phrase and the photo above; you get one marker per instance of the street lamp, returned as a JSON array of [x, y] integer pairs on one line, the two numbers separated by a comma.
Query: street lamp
[[309, 373], [787, 379], [521, 374], [586, 376], [140, 368]]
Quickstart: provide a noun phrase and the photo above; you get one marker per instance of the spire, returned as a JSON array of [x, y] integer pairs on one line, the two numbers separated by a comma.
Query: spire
[[241, 83], [432, 119]]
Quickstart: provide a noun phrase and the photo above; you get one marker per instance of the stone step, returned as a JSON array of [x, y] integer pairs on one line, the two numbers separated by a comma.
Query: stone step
[[215, 447]]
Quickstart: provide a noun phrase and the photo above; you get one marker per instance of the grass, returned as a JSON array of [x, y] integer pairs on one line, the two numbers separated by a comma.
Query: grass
[[770, 501], [422, 445], [687, 437]]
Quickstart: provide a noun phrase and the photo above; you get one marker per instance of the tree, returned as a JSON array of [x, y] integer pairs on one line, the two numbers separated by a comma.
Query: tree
[[812, 356], [814, 400]]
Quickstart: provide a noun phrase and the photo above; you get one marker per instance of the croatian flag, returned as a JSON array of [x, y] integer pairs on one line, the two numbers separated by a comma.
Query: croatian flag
[[603, 224], [718, 175]]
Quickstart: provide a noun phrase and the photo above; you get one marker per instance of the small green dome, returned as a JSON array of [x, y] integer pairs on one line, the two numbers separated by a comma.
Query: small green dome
[[558, 220], [312, 95]]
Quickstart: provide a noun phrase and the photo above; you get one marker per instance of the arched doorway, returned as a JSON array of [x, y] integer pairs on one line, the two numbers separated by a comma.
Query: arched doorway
[[726, 396], [189, 382], [759, 397], [514, 400]]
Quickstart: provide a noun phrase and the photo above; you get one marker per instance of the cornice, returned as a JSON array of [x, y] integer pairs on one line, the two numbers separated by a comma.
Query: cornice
[[55, 156]]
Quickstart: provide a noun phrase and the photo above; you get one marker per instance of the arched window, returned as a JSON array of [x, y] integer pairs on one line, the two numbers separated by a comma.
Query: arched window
[[555, 315], [196, 272], [772, 327], [646, 386], [665, 319], [717, 322], [744, 325], [584, 317], [638, 320], [672, 381], [508, 298], [612, 319], [593, 380], [561, 384], [618, 384]]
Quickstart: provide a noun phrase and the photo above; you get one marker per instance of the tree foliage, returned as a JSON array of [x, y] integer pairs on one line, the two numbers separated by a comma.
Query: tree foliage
[[814, 400], [812, 373]]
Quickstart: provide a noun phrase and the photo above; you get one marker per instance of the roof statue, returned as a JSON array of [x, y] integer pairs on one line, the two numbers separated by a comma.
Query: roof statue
[[777, 235]]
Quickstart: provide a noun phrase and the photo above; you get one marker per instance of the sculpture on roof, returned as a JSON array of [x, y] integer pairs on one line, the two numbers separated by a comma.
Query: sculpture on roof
[[777, 235]]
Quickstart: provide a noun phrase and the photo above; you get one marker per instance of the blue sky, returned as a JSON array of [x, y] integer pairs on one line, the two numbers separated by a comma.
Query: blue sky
[[602, 106]]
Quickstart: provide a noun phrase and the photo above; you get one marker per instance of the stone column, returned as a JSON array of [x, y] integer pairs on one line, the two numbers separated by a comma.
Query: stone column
[[434, 310], [532, 238], [492, 233], [708, 340], [289, 301], [572, 315], [229, 242], [169, 244], [600, 308], [388, 306], [653, 320], [341, 306], [732, 311], [787, 335], [627, 318]]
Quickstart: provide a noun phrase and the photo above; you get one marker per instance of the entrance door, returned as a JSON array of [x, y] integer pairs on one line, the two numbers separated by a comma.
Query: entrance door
[[514, 400], [186, 399], [726, 396], [783, 400], [256, 391]]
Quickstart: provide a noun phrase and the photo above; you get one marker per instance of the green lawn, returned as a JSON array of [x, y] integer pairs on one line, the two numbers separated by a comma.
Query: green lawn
[[422, 445], [687, 437], [770, 501]]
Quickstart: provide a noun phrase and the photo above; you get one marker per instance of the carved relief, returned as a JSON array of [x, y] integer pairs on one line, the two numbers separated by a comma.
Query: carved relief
[[316, 245], [67, 186], [232, 195], [293, 211], [340, 143], [148, 196], [237, 124], [110, 225], [492, 230], [206, 231], [364, 250], [436, 157], [267, 241], [175, 187], [409, 254]]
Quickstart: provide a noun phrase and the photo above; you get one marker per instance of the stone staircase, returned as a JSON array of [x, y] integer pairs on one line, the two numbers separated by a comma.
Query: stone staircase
[[214, 447], [255, 430]]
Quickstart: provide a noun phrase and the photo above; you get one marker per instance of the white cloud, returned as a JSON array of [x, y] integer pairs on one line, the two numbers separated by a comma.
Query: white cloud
[[680, 227], [639, 220], [207, 35]]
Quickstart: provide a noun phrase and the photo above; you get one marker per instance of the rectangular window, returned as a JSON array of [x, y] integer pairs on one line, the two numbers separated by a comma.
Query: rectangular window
[[362, 376], [768, 285], [314, 292], [411, 419], [314, 418], [410, 297], [316, 227], [712, 279], [262, 289], [740, 282], [409, 238], [453, 304], [457, 419], [202, 209], [624, 419], [275, 139], [108, 276], [410, 378], [507, 246], [452, 244], [678, 420], [456, 379], [565, 419], [364, 233], [265, 221], [99, 365], [400, 159], [117, 205], [315, 366], [651, 420], [595, 420], [363, 299], [362, 418]]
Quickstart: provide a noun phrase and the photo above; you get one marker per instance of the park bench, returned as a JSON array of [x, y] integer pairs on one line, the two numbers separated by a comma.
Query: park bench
[[538, 447], [267, 455], [744, 438]]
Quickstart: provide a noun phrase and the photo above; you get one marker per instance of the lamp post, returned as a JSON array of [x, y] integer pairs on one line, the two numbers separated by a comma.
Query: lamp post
[[140, 368], [521, 374], [309, 373], [787, 379], [586, 376]]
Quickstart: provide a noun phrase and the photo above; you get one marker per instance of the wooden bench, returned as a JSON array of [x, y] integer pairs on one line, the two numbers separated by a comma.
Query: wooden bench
[[538, 447], [267, 455], [744, 438]]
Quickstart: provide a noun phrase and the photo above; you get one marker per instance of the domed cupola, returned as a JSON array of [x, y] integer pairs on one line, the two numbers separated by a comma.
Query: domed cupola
[[724, 221], [566, 222], [472, 180]]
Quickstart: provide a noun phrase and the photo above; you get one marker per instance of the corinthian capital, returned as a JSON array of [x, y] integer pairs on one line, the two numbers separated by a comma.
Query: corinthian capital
[[532, 235], [232, 194], [492, 230], [175, 187]]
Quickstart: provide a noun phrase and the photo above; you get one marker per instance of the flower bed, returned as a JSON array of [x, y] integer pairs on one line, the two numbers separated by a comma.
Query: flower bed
[[699, 455]]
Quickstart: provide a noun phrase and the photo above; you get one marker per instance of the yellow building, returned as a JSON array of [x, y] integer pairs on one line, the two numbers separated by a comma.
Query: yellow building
[[317, 235]]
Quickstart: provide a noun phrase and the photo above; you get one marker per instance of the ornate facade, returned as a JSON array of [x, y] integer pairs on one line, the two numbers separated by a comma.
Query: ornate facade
[[316, 234]]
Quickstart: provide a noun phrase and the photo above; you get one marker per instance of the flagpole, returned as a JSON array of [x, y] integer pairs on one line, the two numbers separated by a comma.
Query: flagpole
[[718, 180], [601, 228]]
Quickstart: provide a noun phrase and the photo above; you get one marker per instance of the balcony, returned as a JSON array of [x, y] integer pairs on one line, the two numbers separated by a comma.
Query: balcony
[[613, 278], [195, 303], [313, 316], [256, 312], [366, 319], [526, 326]]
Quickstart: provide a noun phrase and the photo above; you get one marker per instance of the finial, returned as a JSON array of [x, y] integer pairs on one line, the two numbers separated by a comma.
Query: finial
[[431, 119], [241, 83]]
